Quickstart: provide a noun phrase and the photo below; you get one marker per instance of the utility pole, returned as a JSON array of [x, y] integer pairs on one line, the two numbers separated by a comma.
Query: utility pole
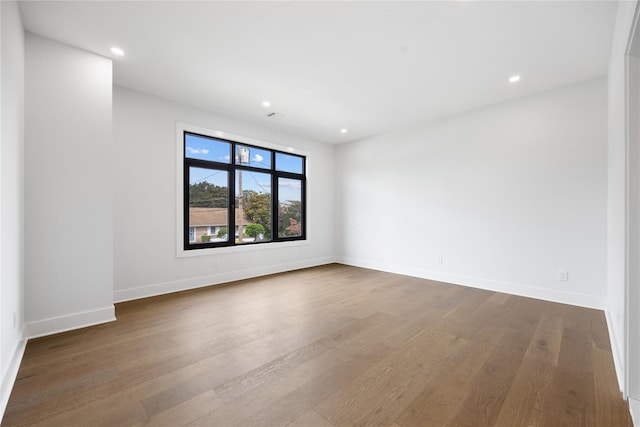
[[243, 158]]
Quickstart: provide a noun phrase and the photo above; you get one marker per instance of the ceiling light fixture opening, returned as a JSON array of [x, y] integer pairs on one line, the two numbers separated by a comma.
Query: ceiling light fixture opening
[[117, 51], [514, 79], [343, 130], [266, 104]]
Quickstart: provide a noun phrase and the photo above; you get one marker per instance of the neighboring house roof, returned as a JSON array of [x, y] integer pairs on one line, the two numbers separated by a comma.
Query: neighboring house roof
[[208, 217]]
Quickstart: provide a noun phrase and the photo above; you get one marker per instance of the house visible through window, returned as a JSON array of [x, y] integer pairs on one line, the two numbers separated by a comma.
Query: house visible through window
[[238, 194]]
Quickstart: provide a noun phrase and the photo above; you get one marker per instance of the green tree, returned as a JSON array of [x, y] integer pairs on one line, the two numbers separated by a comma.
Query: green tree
[[207, 195], [290, 218], [222, 232], [257, 207], [254, 230]]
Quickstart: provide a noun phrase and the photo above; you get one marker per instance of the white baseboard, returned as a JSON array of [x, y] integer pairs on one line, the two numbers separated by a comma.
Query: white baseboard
[[634, 408], [214, 279], [69, 322], [615, 351], [9, 376], [519, 289]]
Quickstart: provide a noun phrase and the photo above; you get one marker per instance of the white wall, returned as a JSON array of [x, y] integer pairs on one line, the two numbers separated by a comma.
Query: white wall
[[68, 187], [623, 298], [507, 195], [617, 190], [11, 200], [632, 296], [145, 202]]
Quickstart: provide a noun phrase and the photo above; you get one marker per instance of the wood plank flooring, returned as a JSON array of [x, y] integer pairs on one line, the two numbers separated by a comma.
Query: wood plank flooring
[[326, 346]]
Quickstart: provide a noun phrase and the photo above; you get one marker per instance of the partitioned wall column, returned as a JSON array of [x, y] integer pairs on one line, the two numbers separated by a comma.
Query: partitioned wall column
[[68, 188]]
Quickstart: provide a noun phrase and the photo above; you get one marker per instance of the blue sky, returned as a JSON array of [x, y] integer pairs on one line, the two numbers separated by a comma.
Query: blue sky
[[220, 151]]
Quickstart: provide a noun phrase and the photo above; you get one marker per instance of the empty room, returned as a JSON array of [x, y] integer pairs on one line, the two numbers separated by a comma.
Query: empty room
[[320, 213]]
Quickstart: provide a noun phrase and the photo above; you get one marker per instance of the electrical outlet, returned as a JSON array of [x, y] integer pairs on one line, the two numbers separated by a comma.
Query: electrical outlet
[[563, 275], [441, 260]]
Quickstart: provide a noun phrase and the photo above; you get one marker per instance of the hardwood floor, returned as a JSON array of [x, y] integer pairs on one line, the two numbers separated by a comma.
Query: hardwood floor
[[327, 346]]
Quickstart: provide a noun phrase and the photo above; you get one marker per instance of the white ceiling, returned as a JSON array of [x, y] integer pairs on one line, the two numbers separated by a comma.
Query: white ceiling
[[365, 66]]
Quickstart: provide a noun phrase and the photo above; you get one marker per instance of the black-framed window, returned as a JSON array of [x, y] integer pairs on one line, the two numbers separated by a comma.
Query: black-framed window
[[240, 194]]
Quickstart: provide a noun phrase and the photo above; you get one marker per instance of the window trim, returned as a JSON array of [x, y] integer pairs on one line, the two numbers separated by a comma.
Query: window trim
[[181, 128]]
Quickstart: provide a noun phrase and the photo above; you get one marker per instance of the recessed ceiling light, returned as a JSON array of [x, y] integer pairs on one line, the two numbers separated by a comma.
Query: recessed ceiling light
[[266, 104], [343, 130], [117, 51], [514, 79]]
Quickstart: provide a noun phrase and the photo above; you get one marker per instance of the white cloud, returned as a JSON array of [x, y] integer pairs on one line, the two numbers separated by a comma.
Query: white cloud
[[257, 158], [290, 183], [192, 150]]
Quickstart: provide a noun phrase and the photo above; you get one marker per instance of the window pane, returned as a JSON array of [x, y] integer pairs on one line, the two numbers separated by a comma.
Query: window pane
[[289, 163], [201, 147], [253, 213], [289, 207], [208, 205], [251, 156]]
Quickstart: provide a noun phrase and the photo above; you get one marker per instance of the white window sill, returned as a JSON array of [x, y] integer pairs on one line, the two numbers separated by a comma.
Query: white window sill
[[240, 248]]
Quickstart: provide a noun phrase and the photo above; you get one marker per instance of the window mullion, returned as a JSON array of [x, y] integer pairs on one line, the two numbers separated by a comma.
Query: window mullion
[[185, 202], [231, 231], [274, 207]]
